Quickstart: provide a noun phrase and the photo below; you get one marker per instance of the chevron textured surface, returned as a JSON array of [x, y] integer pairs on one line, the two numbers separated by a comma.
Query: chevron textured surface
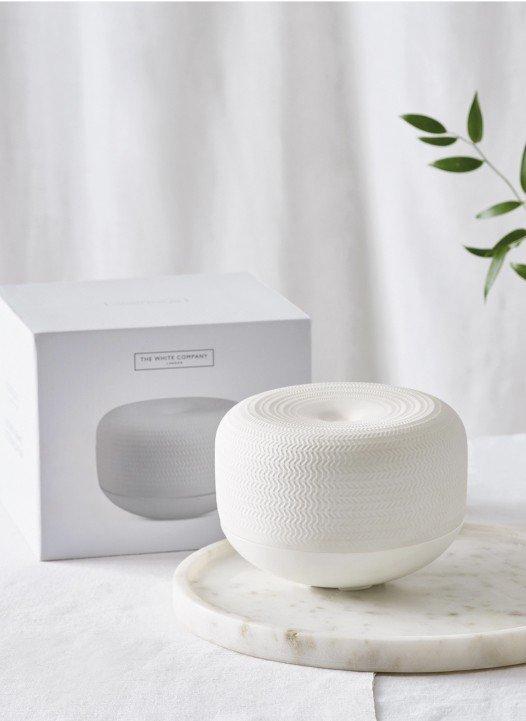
[[341, 467], [162, 448]]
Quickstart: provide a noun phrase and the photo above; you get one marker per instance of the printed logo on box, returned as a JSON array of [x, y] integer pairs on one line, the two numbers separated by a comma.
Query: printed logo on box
[[160, 360]]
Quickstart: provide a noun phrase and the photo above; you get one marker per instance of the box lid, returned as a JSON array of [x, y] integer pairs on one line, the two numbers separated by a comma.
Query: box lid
[[175, 300]]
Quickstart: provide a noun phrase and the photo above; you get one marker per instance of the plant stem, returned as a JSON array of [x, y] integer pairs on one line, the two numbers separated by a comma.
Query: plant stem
[[495, 170]]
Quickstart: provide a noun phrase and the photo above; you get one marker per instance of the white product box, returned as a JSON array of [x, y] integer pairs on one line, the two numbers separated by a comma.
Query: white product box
[[110, 394]]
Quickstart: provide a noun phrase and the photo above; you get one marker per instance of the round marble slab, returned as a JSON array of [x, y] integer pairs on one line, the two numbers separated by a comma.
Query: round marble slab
[[466, 610]]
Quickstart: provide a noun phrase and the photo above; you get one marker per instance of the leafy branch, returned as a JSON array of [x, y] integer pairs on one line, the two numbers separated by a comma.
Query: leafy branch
[[439, 136]]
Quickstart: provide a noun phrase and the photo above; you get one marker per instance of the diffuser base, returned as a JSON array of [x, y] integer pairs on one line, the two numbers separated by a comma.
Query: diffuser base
[[346, 571], [466, 610]]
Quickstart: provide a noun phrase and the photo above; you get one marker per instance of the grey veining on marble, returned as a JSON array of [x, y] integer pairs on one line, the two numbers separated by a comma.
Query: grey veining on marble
[[466, 610]]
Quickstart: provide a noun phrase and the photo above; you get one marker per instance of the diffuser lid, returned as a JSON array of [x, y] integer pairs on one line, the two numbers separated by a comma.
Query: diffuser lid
[[339, 411]]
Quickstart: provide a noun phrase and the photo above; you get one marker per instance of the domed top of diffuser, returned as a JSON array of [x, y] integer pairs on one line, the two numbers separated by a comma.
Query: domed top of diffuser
[[341, 411]]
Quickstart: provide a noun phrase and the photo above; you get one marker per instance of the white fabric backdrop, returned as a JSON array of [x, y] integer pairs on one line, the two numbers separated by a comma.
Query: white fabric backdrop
[[142, 139]]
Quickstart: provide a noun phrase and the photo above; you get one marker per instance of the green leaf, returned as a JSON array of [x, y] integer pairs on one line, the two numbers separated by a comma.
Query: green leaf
[[520, 269], [475, 123], [511, 240], [444, 140], [482, 252], [458, 164], [500, 250], [523, 170], [494, 268], [424, 122], [499, 209]]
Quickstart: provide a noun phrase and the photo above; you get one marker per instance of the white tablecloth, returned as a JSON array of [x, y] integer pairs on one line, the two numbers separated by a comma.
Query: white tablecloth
[[497, 494], [95, 640]]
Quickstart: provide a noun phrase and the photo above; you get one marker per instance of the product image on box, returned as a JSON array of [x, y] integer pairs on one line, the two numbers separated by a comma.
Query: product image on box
[[155, 458]]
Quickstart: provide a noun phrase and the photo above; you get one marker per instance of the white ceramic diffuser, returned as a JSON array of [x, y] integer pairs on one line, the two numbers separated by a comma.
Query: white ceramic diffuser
[[341, 484], [156, 458]]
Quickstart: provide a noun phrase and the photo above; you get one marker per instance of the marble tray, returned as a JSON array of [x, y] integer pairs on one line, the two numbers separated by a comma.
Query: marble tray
[[467, 610]]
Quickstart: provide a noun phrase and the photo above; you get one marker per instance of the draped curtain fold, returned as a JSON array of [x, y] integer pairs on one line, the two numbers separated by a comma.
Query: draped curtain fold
[[154, 138]]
